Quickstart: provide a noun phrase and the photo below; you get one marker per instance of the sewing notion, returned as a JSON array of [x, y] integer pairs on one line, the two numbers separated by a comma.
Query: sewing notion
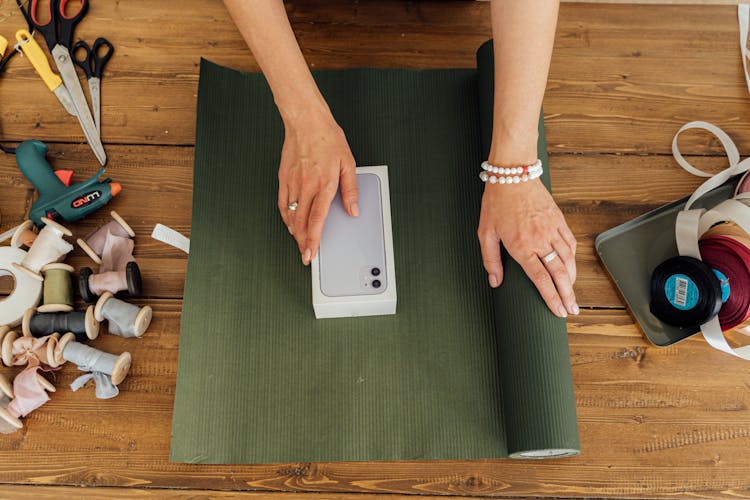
[[124, 319]]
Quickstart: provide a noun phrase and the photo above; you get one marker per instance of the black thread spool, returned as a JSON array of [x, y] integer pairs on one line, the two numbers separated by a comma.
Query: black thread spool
[[83, 324], [684, 292], [132, 278]]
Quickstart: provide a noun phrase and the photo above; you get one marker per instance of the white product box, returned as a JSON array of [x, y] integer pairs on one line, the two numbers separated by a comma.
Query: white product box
[[353, 273]]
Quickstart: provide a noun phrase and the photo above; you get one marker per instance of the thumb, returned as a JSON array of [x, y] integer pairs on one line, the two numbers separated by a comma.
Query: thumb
[[490, 245], [348, 186]]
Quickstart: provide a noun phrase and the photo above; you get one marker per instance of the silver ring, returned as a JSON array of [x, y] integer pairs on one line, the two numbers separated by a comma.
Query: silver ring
[[550, 257], [292, 206]]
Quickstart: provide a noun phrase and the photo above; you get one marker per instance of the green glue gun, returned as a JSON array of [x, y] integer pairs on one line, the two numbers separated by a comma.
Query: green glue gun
[[58, 198]]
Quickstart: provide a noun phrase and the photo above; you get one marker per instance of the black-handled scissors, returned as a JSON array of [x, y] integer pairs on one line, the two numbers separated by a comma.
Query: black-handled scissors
[[93, 62]]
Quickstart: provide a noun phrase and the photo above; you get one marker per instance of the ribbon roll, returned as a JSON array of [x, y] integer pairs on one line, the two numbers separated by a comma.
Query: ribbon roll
[[24, 235], [129, 280], [58, 288], [27, 289], [83, 324], [105, 368], [94, 243], [48, 247], [8, 423], [125, 320], [30, 390], [18, 351]]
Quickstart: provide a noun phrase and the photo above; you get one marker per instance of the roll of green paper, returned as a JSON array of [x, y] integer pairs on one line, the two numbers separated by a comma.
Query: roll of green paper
[[460, 372]]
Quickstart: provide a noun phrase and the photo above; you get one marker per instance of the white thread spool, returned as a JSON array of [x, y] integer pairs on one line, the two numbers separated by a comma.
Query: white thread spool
[[115, 366], [46, 356], [125, 320], [49, 246], [27, 290]]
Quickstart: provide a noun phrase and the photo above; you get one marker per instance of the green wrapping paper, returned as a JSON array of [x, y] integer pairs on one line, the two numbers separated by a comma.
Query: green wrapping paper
[[460, 372]]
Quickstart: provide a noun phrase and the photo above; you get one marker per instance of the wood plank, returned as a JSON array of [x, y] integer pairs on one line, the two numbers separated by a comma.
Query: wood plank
[[74, 493], [623, 78], [157, 184], [654, 423]]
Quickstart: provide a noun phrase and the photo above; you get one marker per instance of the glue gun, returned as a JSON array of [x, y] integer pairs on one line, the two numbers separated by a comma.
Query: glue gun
[[57, 198]]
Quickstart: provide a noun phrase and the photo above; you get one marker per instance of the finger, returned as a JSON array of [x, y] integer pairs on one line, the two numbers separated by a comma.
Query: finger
[[560, 275], [348, 186], [567, 256], [300, 224], [284, 205], [570, 240], [544, 283], [317, 219], [490, 245]]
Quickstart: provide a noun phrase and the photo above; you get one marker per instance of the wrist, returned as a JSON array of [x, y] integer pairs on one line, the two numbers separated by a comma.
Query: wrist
[[513, 148], [303, 113]]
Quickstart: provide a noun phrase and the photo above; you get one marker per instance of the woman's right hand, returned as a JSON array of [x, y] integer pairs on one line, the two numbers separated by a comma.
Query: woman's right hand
[[315, 161]]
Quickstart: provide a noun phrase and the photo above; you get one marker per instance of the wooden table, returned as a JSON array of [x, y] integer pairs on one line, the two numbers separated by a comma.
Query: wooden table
[[654, 422]]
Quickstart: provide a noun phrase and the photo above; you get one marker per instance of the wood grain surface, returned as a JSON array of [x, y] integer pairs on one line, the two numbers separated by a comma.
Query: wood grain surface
[[654, 422]]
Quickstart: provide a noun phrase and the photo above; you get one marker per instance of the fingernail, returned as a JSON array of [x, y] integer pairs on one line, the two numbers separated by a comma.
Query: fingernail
[[289, 228], [562, 312], [355, 209], [493, 281], [576, 309], [306, 256]]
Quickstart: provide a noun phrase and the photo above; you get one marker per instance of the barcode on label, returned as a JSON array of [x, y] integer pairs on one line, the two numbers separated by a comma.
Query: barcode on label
[[680, 293]]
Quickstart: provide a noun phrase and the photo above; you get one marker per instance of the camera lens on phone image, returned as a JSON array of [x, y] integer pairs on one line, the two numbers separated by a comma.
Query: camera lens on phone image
[[375, 271], [376, 283]]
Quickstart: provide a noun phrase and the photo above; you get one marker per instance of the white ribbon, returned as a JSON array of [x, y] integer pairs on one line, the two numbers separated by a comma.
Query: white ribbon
[[693, 223], [743, 14], [171, 237]]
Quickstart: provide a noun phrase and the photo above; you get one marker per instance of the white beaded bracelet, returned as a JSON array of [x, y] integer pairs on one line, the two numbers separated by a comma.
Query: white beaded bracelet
[[513, 175]]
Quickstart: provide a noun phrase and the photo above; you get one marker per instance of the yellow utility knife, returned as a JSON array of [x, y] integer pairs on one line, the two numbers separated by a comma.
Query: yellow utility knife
[[38, 59]]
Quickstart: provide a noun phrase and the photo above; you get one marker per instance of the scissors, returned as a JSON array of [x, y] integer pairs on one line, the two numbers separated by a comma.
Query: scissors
[[93, 65], [58, 33]]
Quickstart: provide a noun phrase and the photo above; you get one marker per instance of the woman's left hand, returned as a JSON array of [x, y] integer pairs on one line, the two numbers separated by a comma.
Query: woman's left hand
[[527, 221]]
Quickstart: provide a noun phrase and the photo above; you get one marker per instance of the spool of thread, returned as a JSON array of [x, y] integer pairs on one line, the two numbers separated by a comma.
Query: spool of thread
[[731, 257], [24, 235], [26, 292], [48, 247], [8, 423], [91, 285], [125, 320], [30, 390], [83, 324], [93, 243], [58, 288], [685, 292], [18, 350], [93, 360]]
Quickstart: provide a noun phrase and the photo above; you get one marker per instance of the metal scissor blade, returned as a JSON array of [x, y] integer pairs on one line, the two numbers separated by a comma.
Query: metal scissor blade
[[95, 90], [64, 97], [68, 73]]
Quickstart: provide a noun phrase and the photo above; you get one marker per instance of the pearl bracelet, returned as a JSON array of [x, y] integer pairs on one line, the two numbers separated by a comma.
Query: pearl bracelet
[[514, 175]]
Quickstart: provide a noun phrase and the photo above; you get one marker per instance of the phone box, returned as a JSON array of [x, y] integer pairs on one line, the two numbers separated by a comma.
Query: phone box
[[353, 273]]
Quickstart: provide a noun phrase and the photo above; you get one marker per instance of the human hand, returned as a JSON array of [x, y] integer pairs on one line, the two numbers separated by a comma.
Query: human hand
[[315, 159], [526, 219]]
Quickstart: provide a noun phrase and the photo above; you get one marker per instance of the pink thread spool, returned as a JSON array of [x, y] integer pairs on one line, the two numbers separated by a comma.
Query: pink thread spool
[[93, 243], [9, 349]]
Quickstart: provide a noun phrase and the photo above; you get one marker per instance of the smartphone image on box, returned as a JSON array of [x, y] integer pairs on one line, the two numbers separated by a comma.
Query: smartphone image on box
[[353, 271]]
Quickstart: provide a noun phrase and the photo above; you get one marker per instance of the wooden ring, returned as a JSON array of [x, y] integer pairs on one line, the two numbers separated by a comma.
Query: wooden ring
[[26, 321], [122, 222], [142, 320], [89, 251], [92, 325], [57, 226], [55, 308], [100, 304], [58, 265], [7, 347], [52, 349], [122, 367], [6, 387], [31, 273], [10, 419], [46, 384], [61, 345]]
